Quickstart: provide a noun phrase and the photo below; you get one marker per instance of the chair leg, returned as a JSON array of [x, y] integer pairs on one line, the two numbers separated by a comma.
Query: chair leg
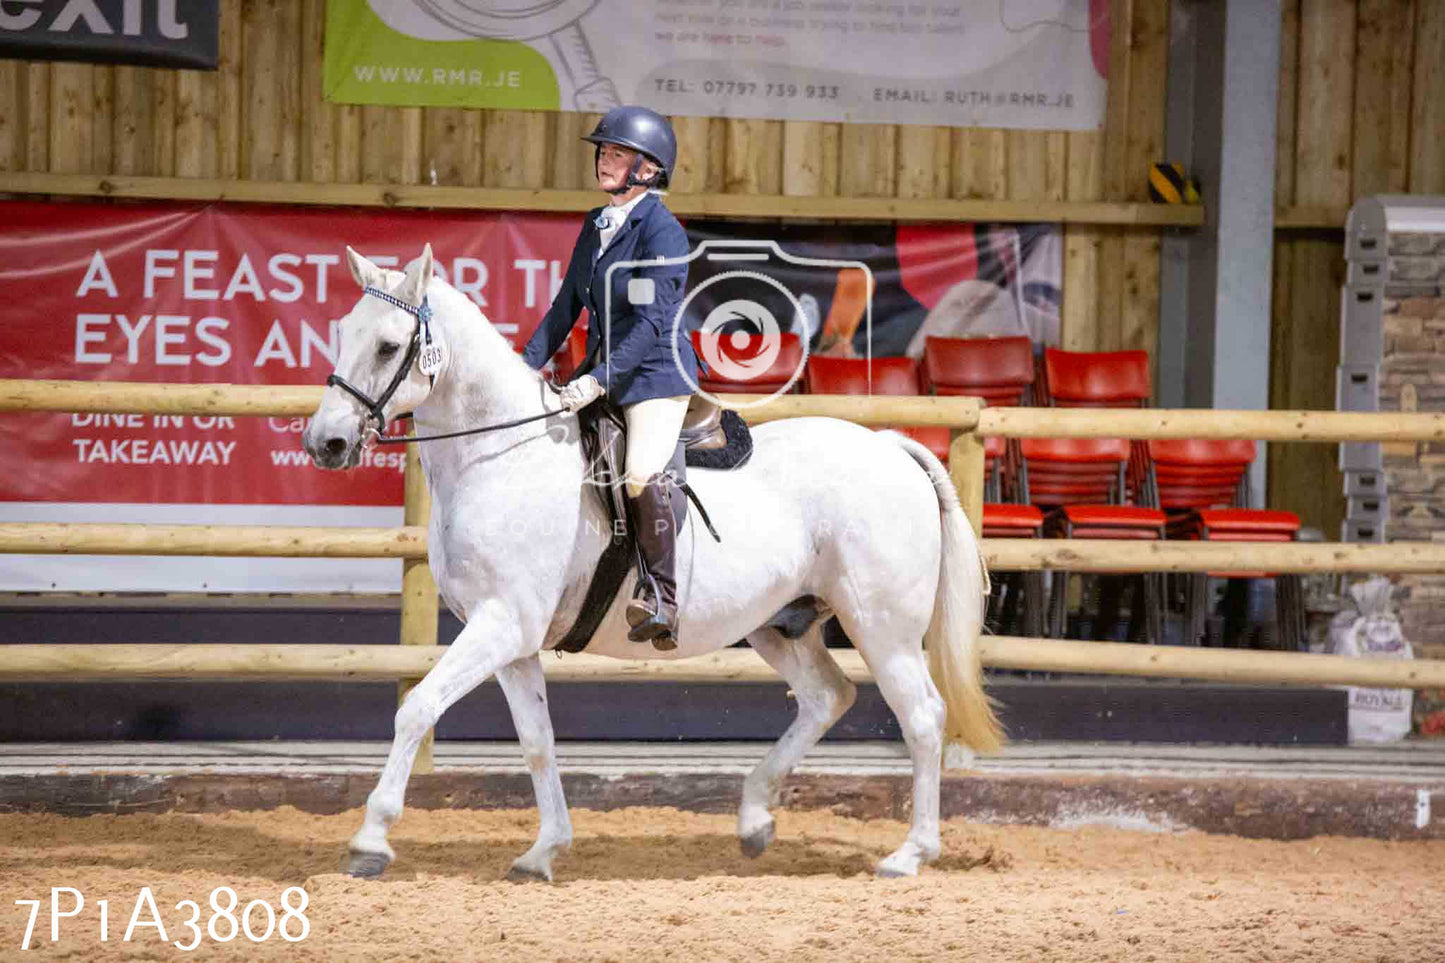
[[1008, 610], [1197, 608], [1154, 608], [1290, 613], [1035, 605], [1236, 614], [1058, 603]]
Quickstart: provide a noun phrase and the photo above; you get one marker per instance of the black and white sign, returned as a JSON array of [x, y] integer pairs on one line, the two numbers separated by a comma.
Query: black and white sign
[[153, 33]]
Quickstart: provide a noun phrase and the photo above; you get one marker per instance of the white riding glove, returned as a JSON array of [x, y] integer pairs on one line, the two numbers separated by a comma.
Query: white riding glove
[[580, 393]]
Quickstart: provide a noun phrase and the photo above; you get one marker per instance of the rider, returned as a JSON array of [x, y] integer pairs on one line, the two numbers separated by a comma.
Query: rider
[[631, 355]]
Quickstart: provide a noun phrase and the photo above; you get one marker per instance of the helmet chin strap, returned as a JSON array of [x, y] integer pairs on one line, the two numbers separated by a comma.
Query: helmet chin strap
[[631, 181]]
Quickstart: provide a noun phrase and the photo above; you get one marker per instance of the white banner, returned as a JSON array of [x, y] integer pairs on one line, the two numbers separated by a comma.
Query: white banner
[[1034, 64]]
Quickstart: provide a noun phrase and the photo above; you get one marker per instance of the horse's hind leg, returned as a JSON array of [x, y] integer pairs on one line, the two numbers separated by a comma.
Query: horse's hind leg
[[489, 641], [903, 680], [823, 693], [526, 690]]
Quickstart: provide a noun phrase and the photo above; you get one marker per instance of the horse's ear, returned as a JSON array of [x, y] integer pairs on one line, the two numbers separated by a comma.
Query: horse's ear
[[418, 276], [366, 274]]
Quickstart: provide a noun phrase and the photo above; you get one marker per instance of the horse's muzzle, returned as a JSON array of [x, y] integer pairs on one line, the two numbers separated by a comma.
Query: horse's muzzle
[[330, 450]]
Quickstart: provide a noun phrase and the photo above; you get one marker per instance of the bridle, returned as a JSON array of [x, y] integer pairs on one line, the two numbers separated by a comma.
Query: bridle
[[375, 409]]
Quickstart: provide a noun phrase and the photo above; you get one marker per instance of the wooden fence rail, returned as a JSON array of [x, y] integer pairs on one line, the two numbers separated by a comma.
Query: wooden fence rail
[[361, 663], [1007, 554]]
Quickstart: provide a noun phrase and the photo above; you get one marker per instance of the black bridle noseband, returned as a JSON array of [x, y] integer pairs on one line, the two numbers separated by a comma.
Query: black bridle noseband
[[375, 409]]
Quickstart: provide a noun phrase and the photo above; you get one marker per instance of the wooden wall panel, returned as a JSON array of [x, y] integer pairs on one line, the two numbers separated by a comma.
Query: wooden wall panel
[[802, 158], [753, 156], [1384, 50], [163, 121], [694, 155], [262, 110], [318, 123], [1084, 181], [1144, 145], [980, 162], [1427, 140], [134, 151], [37, 117], [1304, 478], [516, 152], [195, 124], [70, 126], [572, 161], [868, 160], [102, 119], [924, 161], [12, 115], [228, 93]]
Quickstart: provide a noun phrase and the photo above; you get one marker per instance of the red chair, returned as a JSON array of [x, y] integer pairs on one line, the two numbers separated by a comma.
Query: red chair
[[1001, 372], [774, 378], [1201, 483], [1100, 379], [1085, 484], [1097, 379], [880, 376]]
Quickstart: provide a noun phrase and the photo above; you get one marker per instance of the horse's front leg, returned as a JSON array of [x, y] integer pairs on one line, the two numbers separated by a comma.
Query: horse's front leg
[[526, 690], [490, 640]]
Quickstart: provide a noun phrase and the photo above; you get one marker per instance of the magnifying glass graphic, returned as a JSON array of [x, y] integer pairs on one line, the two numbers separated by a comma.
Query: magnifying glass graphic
[[554, 20]]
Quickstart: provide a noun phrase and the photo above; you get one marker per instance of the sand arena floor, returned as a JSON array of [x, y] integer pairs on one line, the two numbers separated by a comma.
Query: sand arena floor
[[661, 884]]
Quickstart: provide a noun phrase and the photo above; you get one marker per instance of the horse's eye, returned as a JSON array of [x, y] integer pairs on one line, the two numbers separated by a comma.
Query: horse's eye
[[387, 349]]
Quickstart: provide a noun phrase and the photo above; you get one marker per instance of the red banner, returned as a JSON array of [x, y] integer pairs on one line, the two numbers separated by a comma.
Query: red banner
[[240, 294]]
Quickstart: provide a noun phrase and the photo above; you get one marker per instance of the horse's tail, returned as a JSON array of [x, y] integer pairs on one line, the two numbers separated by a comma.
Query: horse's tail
[[952, 637]]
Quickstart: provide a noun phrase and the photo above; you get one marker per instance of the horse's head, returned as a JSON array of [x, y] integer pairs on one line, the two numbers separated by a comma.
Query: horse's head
[[378, 374]]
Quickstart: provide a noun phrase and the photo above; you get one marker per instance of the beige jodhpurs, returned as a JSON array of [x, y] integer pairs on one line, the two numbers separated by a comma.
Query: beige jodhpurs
[[652, 429]]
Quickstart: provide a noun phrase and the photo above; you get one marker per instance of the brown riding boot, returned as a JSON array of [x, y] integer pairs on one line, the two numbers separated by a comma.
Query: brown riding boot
[[652, 613]]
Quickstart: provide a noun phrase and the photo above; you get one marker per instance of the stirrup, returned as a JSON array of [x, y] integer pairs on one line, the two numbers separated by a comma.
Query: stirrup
[[646, 624]]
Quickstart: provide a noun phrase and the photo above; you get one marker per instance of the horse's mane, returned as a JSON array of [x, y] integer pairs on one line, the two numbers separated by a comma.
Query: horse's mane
[[458, 305]]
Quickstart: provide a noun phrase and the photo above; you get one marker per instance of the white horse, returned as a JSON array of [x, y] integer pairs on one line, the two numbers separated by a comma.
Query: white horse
[[866, 523]]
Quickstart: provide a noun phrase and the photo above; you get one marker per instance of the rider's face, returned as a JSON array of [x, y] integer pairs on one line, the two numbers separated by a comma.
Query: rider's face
[[612, 166], [613, 163]]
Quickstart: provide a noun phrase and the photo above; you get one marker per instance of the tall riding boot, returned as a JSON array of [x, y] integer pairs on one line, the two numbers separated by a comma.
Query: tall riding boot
[[652, 613]]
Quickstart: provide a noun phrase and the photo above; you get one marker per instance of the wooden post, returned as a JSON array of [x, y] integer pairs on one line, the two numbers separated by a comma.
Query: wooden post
[[965, 464], [418, 591]]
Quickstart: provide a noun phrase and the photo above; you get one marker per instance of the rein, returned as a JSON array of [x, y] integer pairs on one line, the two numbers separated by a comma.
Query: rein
[[471, 431], [376, 408]]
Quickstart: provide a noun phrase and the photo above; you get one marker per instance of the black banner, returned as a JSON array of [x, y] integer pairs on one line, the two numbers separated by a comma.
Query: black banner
[[152, 33]]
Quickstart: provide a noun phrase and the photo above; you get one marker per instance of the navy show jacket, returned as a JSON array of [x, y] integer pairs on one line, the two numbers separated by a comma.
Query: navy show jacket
[[635, 362]]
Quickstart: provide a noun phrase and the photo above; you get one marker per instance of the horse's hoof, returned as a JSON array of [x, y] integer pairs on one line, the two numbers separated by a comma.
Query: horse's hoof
[[366, 865], [884, 871], [755, 842], [526, 874]]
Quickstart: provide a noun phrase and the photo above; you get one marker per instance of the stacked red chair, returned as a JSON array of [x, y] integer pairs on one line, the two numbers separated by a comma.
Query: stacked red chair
[[1110, 379], [744, 346], [1001, 372], [1100, 379], [1201, 485], [1085, 484]]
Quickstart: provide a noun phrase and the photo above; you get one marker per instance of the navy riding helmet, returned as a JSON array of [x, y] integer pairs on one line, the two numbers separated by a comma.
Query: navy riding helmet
[[645, 131]]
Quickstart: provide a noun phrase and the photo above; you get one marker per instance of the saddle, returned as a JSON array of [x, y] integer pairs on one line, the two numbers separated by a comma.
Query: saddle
[[711, 438]]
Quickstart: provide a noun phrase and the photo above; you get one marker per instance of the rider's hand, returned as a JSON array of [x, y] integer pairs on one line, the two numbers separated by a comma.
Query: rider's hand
[[581, 393]]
